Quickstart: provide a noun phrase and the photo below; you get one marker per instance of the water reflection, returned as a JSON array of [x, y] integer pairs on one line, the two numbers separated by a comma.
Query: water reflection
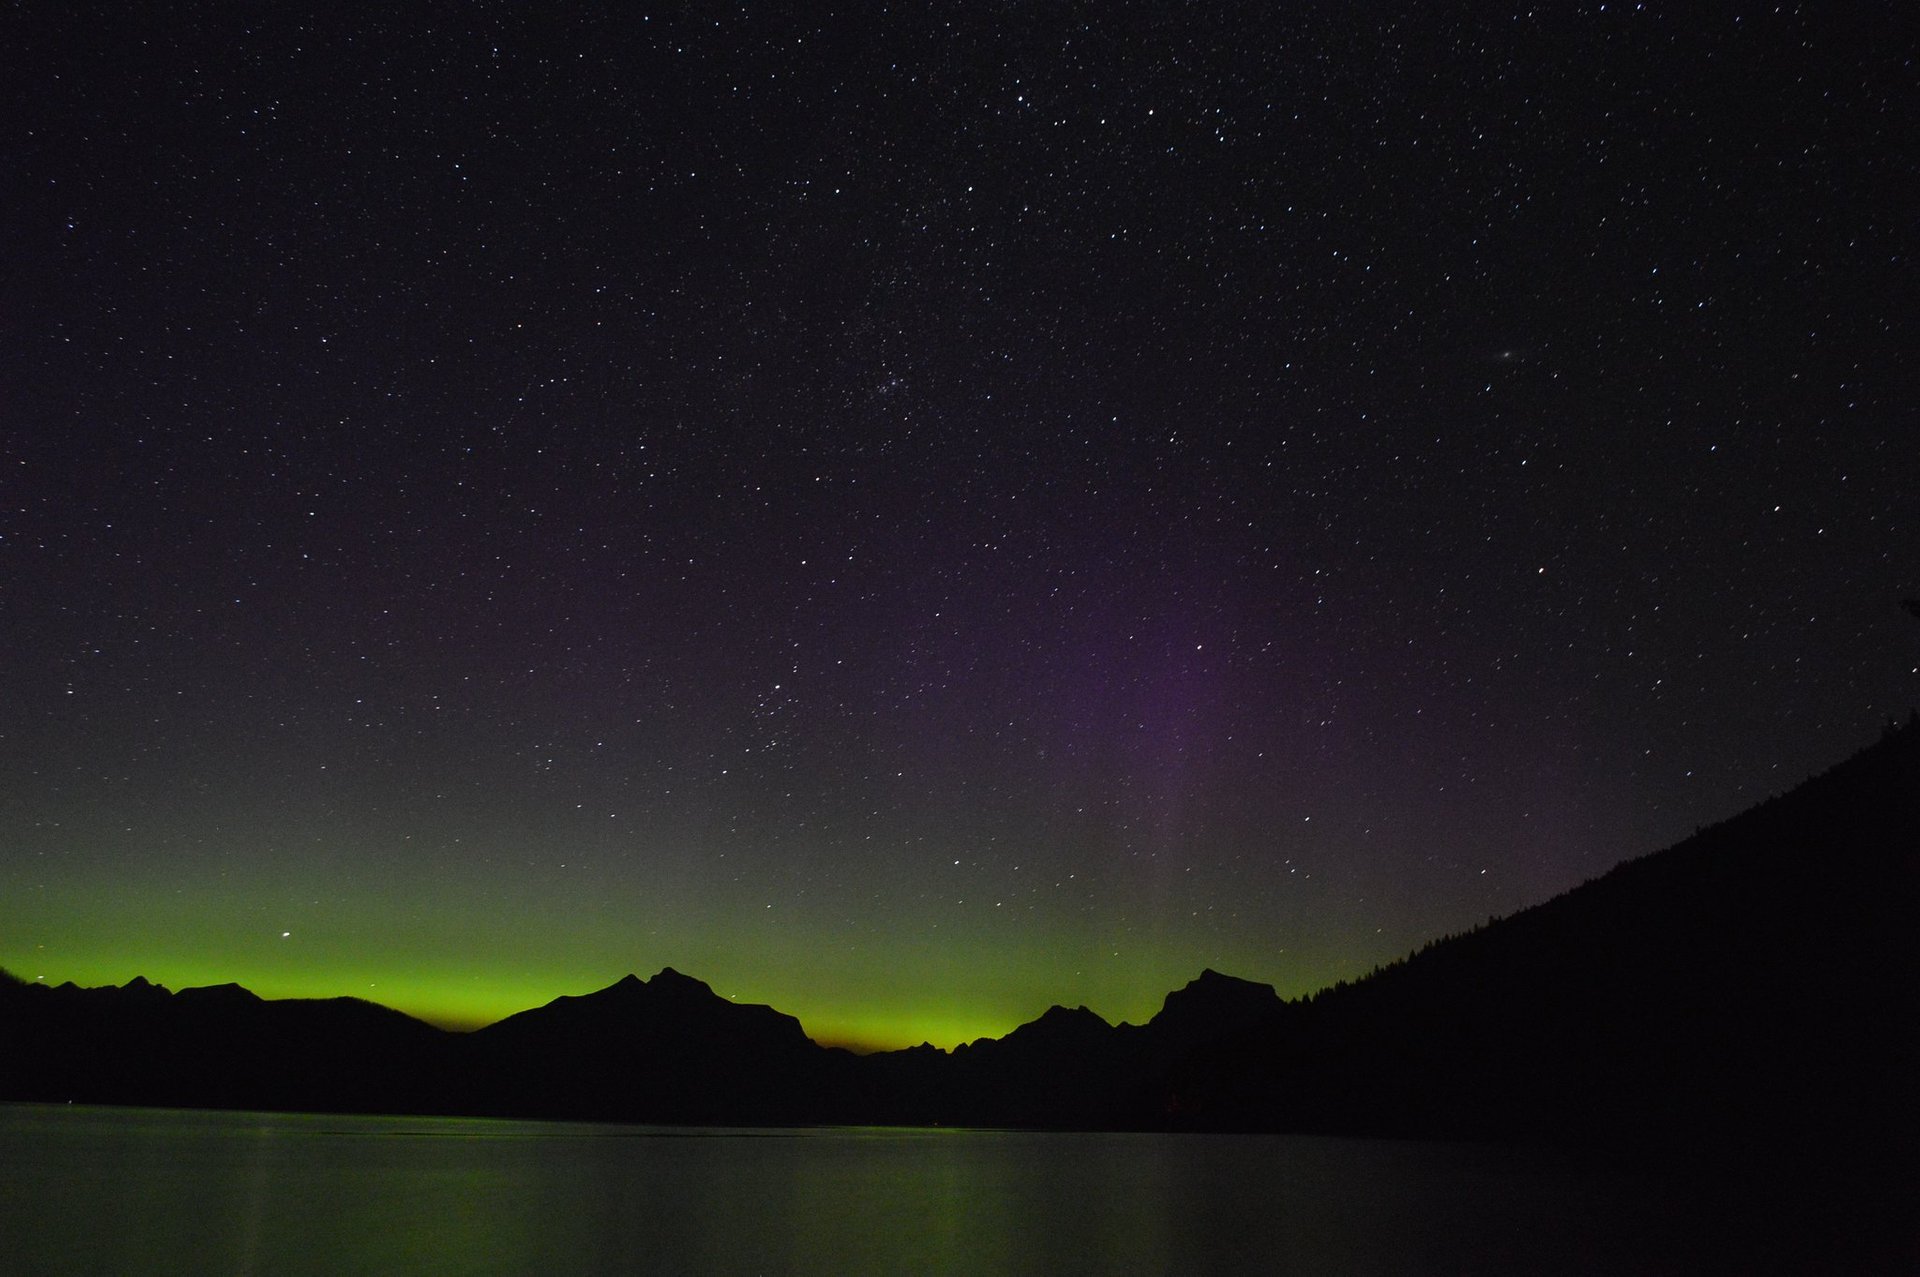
[[94, 1190]]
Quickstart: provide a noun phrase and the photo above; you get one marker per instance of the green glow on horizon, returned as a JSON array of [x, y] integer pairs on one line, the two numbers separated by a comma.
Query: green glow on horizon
[[460, 952], [464, 1002]]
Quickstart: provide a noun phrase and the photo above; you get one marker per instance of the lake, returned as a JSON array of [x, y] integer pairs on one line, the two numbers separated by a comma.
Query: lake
[[94, 1190]]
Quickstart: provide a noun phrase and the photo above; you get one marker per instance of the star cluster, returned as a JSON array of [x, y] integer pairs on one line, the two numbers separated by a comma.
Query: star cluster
[[915, 513]]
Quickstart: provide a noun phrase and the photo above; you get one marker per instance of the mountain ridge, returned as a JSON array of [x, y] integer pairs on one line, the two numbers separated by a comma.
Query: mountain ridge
[[1756, 976]]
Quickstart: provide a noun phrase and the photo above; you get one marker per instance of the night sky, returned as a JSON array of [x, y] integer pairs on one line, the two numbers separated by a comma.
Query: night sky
[[918, 512]]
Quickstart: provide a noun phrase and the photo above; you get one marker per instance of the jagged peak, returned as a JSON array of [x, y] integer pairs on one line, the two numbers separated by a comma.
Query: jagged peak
[[1213, 996], [229, 990], [670, 981], [1058, 1019], [626, 988], [1081, 1012], [667, 979], [1211, 979]]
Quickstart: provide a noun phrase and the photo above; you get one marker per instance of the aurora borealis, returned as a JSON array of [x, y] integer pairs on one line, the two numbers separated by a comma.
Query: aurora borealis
[[912, 515]]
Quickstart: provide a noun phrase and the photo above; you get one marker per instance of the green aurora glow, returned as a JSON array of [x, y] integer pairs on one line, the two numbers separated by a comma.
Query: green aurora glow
[[457, 965], [914, 522]]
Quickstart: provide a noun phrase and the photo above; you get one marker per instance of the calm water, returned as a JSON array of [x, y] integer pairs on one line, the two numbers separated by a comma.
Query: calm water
[[153, 1191]]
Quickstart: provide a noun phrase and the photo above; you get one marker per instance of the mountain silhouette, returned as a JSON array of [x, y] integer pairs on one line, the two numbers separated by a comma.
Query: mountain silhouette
[[1757, 978], [216, 1047], [1755, 982], [662, 1050], [1211, 1007]]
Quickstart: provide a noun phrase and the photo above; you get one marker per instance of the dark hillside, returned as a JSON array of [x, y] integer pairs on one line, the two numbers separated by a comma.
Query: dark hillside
[[1758, 977], [218, 1047]]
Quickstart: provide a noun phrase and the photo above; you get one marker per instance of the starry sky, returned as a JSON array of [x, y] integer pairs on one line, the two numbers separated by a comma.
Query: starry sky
[[913, 513]]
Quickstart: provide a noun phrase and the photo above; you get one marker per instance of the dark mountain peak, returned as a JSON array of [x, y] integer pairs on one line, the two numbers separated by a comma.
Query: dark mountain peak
[[1211, 988], [667, 983], [141, 985], [229, 994], [664, 1049], [673, 982], [1214, 1004], [666, 1012], [1211, 979], [1062, 1015], [1058, 1028]]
